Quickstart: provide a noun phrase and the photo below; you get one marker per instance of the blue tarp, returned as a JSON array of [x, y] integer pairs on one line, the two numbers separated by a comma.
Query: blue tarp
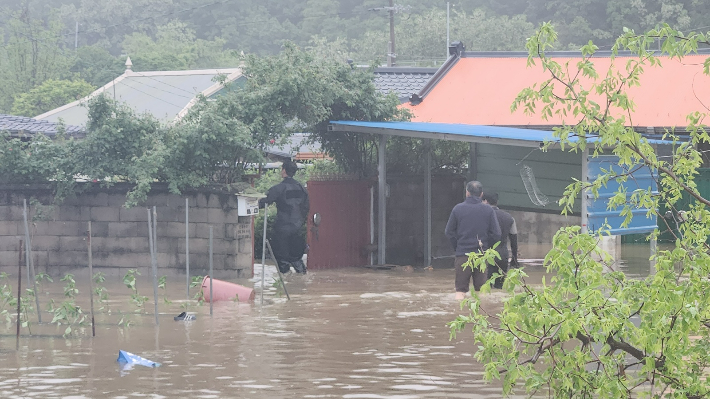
[[129, 358]]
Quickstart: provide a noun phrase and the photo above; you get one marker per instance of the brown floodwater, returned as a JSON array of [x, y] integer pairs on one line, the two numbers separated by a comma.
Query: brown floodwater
[[345, 333]]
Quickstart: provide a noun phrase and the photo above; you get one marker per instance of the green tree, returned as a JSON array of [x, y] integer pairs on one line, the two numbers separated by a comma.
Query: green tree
[[589, 332], [96, 65], [49, 95], [421, 38], [175, 48], [33, 52]]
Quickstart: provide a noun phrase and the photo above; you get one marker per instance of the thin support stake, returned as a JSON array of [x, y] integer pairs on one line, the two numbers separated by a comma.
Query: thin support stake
[[19, 293], [263, 253], [211, 271], [91, 283], [151, 243], [187, 247], [271, 252], [27, 241], [155, 263], [31, 266]]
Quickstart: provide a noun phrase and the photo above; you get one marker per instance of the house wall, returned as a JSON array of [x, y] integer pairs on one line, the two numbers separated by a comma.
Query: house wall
[[406, 213], [120, 235], [498, 168], [406, 216]]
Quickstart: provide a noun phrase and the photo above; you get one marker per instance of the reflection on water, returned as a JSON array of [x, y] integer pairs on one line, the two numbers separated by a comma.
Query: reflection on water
[[347, 333]]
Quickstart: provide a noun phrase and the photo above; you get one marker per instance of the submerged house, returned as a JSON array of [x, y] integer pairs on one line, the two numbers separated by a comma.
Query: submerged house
[[469, 100]]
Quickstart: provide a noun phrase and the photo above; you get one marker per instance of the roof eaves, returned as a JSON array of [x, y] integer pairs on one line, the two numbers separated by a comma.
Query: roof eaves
[[96, 92], [231, 76], [417, 98], [408, 70], [559, 54]]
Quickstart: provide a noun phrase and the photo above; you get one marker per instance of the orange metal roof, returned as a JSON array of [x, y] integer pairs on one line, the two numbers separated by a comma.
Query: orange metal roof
[[480, 91]]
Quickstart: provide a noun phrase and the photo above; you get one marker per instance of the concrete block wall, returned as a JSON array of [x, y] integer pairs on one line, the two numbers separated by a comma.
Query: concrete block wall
[[405, 221], [120, 235], [406, 216]]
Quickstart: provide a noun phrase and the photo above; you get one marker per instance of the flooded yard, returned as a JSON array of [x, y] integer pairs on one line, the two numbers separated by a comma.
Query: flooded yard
[[345, 333]]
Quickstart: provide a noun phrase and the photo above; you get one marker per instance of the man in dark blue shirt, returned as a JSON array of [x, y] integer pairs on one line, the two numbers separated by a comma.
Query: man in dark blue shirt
[[288, 241], [472, 227]]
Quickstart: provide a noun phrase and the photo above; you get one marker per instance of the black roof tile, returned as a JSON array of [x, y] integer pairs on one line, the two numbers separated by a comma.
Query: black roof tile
[[24, 126], [404, 81]]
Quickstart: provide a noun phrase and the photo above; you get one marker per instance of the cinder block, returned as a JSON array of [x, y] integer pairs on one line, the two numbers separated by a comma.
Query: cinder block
[[99, 229], [9, 258], [174, 230], [45, 243], [168, 261], [169, 245], [71, 259], [217, 215], [104, 214], [224, 247], [89, 199], [201, 200], [10, 243], [135, 214], [60, 228], [215, 201], [124, 260], [197, 246], [69, 243], [11, 212], [10, 228], [117, 200], [73, 213], [178, 202], [128, 229], [121, 245], [202, 230], [158, 200], [198, 215], [169, 214]]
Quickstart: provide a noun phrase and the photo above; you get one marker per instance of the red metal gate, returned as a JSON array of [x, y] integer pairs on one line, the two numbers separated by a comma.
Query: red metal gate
[[343, 233]]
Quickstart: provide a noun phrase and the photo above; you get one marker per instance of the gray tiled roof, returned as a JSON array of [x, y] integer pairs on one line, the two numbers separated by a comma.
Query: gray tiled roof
[[297, 143], [22, 125], [402, 80], [166, 95]]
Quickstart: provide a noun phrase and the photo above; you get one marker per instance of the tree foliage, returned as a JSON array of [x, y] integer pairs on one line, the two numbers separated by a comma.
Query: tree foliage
[[215, 143], [589, 332], [49, 95], [175, 47]]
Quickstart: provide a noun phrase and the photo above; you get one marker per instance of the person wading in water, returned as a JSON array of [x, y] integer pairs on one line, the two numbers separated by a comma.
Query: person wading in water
[[288, 241]]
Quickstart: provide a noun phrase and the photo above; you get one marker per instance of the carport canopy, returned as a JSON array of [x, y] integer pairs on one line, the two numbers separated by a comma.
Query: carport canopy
[[511, 136]]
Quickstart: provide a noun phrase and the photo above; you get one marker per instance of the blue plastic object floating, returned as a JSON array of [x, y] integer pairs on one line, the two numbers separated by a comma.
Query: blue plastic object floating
[[129, 358]]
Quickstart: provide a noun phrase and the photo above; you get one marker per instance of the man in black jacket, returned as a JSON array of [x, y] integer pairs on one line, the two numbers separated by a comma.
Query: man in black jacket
[[472, 227], [508, 233], [288, 241]]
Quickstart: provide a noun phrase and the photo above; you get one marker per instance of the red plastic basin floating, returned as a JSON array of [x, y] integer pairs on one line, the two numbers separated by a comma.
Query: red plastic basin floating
[[225, 291]]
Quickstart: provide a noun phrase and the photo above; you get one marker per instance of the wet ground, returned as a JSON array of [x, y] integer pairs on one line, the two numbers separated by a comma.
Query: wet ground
[[347, 333]]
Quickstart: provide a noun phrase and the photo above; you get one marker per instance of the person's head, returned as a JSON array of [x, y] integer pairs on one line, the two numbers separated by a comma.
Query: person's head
[[288, 168], [490, 198], [474, 188]]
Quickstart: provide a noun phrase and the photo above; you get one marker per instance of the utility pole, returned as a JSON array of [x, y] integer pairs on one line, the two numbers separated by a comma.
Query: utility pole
[[76, 36], [391, 56], [446, 54], [392, 9]]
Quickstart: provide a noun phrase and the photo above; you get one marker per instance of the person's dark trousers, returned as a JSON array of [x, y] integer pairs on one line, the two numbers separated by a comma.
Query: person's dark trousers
[[464, 276], [288, 249], [501, 267]]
